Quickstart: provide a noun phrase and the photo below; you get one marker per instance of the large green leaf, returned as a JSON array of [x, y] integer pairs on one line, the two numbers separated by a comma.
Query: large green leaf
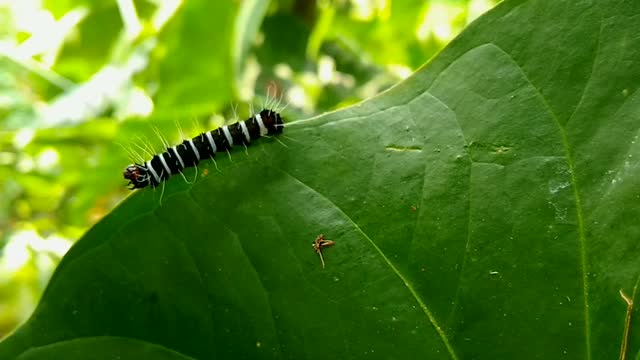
[[484, 208], [197, 40]]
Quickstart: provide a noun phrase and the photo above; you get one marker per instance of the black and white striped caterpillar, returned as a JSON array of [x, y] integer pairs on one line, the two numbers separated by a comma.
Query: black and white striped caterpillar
[[206, 145]]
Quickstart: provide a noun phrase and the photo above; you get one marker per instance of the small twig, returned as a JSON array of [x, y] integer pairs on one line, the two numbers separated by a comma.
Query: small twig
[[321, 243], [627, 325]]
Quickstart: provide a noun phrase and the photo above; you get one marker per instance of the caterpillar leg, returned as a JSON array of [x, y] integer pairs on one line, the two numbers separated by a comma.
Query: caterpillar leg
[[281, 143], [195, 177], [215, 163], [185, 178], [161, 193], [278, 140]]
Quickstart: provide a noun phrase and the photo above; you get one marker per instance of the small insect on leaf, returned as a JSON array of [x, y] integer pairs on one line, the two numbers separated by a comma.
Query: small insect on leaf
[[321, 243]]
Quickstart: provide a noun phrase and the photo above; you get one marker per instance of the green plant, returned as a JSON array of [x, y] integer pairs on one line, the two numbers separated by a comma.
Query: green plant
[[486, 207], [81, 78]]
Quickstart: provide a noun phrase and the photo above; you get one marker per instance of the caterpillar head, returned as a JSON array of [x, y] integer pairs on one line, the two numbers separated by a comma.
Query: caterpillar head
[[137, 175]]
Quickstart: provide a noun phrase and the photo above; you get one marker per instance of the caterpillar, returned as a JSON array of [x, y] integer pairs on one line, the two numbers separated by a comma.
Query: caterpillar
[[190, 152]]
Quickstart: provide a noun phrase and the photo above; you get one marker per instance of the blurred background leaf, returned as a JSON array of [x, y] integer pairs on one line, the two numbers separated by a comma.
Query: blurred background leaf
[[81, 79]]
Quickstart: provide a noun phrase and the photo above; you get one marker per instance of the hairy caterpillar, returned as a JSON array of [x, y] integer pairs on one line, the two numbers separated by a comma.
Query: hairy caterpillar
[[190, 152]]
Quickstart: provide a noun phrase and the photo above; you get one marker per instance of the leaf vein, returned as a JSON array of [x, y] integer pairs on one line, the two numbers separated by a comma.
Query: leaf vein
[[404, 280], [576, 195], [468, 239], [257, 274]]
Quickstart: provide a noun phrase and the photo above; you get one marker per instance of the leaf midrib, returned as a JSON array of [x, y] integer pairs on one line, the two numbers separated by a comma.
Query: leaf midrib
[[576, 195], [397, 272], [574, 183]]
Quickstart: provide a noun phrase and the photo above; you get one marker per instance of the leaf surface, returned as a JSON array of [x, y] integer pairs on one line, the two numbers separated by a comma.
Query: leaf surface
[[485, 207]]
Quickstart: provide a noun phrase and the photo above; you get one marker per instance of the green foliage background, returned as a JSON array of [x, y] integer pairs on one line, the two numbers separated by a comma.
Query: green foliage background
[[79, 77]]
